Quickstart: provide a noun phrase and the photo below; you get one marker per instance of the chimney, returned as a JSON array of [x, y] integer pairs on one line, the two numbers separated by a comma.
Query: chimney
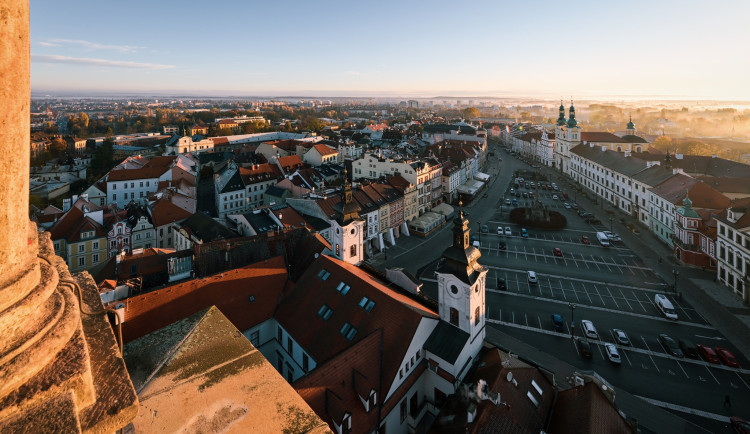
[[75, 198], [604, 148], [66, 205]]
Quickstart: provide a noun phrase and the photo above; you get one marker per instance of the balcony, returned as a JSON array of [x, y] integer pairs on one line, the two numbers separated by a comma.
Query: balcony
[[686, 246]]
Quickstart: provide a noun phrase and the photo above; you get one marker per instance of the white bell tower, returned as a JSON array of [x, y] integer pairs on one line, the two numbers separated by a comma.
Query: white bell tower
[[461, 284], [347, 238]]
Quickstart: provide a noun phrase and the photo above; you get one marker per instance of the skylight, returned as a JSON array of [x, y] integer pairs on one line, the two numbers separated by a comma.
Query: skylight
[[343, 288], [324, 274], [348, 331], [366, 304], [325, 312]]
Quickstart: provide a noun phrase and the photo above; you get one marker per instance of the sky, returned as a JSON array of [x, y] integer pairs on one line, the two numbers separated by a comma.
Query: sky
[[580, 49]]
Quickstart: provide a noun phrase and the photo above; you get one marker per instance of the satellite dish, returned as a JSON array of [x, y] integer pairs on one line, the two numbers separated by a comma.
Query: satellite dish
[[509, 377], [316, 255]]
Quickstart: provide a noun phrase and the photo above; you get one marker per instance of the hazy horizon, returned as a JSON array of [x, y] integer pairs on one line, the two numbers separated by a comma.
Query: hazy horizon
[[586, 50]]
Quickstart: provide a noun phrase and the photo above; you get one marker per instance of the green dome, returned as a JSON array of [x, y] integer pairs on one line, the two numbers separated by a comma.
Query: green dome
[[631, 125]]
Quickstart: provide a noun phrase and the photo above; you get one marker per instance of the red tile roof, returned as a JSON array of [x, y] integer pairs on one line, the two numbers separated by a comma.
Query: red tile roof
[[397, 315], [290, 162], [247, 296], [600, 137], [585, 409], [164, 212], [70, 226], [325, 150]]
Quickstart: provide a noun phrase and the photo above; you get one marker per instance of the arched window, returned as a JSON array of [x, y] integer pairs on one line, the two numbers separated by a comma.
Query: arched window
[[353, 250], [476, 316]]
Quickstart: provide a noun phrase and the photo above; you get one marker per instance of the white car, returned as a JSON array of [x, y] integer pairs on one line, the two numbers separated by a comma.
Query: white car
[[531, 276], [507, 231], [589, 330], [612, 354], [566, 205], [612, 236], [554, 197]]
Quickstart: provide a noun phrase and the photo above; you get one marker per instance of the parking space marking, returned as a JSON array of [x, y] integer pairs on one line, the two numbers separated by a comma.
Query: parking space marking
[[624, 353], [540, 321], [599, 347], [526, 318], [613, 297], [743, 381], [683, 310], [649, 354], [712, 375], [562, 289], [683, 369]]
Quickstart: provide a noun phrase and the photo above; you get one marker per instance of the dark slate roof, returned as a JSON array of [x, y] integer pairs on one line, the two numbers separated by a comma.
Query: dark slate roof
[[275, 191], [207, 229], [172, 140], [446, 341], [234, 184], [261, 222], [616, 161], [445, 128], [317, 223], [653, 176], [215, 157], [704, 165]]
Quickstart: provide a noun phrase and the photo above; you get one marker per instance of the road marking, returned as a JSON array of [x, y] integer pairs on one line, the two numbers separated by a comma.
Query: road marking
[[650, 353], [683, 409], [513, 317], [526, 318], [624, 353], [623, 297], [562, 290], [743, 381], [613, 297], [712, 374], [683, 369], [600, 295], [718, 338]]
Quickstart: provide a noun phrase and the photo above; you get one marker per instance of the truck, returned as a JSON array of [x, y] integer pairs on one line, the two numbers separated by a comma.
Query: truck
[[603, 239]]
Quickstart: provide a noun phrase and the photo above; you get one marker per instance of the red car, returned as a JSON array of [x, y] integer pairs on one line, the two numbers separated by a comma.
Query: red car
[[727, 357], [585, 240], [708, 354], [557, 251], [740, 425]]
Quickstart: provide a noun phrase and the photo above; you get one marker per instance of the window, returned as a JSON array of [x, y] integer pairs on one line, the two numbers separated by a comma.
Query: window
[[324, 274], [280, 335], [338, 248], [348, 331], [343, 288], [132, 185], [353, 250], [95, 259], [255, 338], [476, 316], [402, 408], [366, 304], [114, 197], [114, 186], [325, 312], [305, 362], [414, 404], [454, 317], [81, 248], [81, 261], [141, 183], [289, 345]]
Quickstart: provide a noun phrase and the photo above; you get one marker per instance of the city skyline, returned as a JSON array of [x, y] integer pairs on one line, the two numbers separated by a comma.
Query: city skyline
[[586, 50]]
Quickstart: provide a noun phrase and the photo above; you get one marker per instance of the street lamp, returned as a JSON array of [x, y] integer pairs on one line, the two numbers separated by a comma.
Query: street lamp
[[676, 273], [572, 321], [611, 220], [479, 233]]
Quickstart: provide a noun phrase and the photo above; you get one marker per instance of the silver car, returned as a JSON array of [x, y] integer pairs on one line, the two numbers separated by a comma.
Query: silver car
[[612, 354]]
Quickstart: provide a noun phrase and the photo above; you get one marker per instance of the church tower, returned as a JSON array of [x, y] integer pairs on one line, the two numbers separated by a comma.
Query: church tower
[[630, 128], [461, 284], [347, 228]]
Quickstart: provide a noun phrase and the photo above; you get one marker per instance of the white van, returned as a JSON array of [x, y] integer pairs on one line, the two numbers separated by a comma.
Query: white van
[[589, 330], [603, 239], [665, 306]]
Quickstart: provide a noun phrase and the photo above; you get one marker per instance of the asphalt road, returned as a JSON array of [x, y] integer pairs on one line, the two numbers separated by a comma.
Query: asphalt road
[[612, 287]]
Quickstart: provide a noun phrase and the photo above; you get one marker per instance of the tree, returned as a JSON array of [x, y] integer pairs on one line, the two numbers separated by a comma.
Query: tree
[[57, 147], [471, 113], [83, 119], [662, 143]]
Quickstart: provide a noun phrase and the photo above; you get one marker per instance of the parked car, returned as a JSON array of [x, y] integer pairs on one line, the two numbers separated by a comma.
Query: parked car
[[589, 330], [585, 214], [740, 425], [612, 236], [585, 240], [500, 230], [531, 195], [512, 191], [485, 229], [566, 205], [501, 284], [688, 348], [515, 202], [584, 347], [612, 354], [507, 201], [574, 205], [525, 194], [531, 277], [557, 322], [727, 357], [708, 354], [565, 195], [670, 345], [524, 233], [620, 337], [554, 197], [556, 251], [507, 231]]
